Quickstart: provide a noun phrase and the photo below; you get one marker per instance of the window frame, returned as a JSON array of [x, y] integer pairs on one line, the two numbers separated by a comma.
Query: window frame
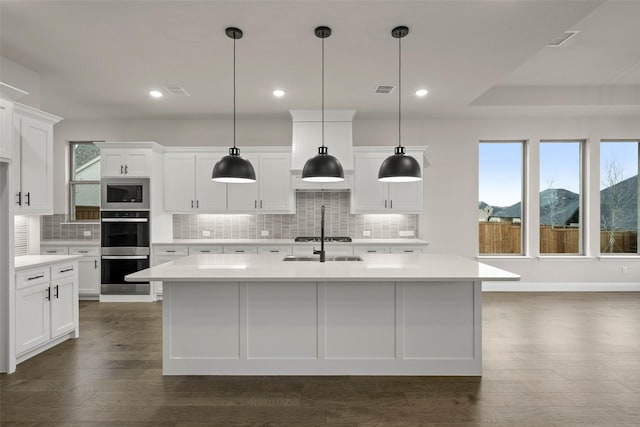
[[524, 180], [73, 183], [614, 255], [582, 199]]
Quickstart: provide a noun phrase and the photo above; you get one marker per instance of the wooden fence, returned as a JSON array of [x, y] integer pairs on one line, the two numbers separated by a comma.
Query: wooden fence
[[504, 238]]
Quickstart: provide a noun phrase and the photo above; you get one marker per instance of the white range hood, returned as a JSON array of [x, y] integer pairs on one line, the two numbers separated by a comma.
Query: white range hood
[[307, 137]]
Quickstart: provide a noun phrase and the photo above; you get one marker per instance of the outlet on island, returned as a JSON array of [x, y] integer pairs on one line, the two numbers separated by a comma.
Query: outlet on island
[[206, 233]]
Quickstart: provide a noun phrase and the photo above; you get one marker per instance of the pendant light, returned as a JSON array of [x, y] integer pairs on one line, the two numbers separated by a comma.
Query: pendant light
[[323, 167], [232, 168], [399, 167]]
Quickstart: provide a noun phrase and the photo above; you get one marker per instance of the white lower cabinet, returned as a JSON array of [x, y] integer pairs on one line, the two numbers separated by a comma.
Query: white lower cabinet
[[46, 307], [89, 276]]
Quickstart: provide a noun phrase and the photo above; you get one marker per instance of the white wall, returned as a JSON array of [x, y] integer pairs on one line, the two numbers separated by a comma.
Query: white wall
[[450, 182], [22, 78]]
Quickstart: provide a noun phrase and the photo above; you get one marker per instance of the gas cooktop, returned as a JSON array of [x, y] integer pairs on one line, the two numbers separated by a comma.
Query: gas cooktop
[[326, 239]]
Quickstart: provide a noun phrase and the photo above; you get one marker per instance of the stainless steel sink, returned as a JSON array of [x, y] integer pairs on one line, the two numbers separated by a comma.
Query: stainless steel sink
[[315, 258]]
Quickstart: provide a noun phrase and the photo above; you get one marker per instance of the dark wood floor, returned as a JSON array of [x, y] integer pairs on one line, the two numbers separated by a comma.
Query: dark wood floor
[[550, 359]]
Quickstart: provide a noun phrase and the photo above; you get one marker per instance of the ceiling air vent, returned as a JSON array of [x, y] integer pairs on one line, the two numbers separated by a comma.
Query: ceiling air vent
[[176, 90], [384, 89], [563, 39]]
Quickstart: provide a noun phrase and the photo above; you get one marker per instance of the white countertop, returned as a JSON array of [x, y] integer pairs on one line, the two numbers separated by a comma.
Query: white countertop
[[289, 242], [374, 267], [92, 242], [25, 262]]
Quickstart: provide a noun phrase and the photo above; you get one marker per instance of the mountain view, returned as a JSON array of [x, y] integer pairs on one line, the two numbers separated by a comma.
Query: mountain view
[[618, 205]]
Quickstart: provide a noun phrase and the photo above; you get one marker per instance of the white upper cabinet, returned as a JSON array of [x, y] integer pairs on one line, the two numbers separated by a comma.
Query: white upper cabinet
[[6, 129], [307, 136], [372, 196], [187, 184], [271, 193], [8, 94], [33, 160], [116, 162]]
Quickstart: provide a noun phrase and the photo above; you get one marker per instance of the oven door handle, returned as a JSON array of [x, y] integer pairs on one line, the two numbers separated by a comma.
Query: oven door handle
[[125, 220], [125, 256]]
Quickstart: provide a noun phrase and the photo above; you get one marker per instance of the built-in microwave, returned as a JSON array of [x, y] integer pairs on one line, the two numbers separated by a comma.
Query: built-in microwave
[[124, 194]]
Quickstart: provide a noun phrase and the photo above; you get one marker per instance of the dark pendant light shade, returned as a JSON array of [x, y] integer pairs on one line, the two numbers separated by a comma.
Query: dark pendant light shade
[[233, 169], [323, 167], [399, 167]]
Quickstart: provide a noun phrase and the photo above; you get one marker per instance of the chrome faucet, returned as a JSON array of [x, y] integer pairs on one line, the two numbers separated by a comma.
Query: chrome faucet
[[321, 252]]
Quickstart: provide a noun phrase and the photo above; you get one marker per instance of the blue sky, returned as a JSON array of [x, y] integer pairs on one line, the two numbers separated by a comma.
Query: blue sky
[[501, 167]]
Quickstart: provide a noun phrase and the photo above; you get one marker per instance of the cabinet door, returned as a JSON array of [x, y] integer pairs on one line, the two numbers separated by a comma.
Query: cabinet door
[[275, 183], [245, 197], [111, 163], [211, 196], [405, 197], [64, 306], [307, 138], [89, 276], [179, 183], [137, 163], [36, 172], [6, 129], [369, 195], [32, 317]]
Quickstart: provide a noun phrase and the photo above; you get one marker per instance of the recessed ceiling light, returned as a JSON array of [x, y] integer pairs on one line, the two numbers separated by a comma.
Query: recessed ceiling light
[[278, 93], [422, 92], [155, 93]]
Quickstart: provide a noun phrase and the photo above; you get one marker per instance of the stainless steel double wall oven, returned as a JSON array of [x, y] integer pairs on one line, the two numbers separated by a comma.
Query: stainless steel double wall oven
[[125, 235]]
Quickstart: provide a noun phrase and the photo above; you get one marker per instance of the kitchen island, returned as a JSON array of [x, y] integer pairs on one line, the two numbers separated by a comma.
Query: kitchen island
[[389, 314]]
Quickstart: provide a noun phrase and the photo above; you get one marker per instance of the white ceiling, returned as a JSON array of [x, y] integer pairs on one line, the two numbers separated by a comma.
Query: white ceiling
[[98, 59]]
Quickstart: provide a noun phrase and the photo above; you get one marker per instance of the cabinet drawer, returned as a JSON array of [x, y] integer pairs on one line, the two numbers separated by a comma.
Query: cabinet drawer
[[84, 250], [205, 250], [240, 250], [32, 277], [64, 270], [171, 250], [406, 249], [371, 250], [54, 250], [329, 249], [285, 250]]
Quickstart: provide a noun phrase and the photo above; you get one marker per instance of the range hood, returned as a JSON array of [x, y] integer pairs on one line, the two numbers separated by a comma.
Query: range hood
[[307, 137]]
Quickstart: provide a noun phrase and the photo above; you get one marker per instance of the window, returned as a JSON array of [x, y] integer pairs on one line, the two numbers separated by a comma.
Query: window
[[501, 193], [84, 182], [561, 197], [619, 197]]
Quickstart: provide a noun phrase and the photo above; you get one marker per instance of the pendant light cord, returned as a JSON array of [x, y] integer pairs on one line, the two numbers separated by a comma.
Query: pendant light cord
[[399, 91], [234, 93], [323, 92]]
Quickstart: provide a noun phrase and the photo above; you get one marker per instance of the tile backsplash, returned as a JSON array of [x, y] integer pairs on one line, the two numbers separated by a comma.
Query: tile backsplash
[[305, 222], [57, 227]]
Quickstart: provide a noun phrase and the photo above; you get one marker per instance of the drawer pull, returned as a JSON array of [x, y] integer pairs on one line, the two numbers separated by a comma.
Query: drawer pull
[[83, 252], [170, 251], [52, 252], [36, 277], [95, 263], [372, 252], [408, 251], [274, 251], [66, 269], [239, 251], [57, 291], [205, 252]]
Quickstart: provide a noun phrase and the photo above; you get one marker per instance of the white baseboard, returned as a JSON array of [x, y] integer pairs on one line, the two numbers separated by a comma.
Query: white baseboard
[[126, 298], [560, 287]]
